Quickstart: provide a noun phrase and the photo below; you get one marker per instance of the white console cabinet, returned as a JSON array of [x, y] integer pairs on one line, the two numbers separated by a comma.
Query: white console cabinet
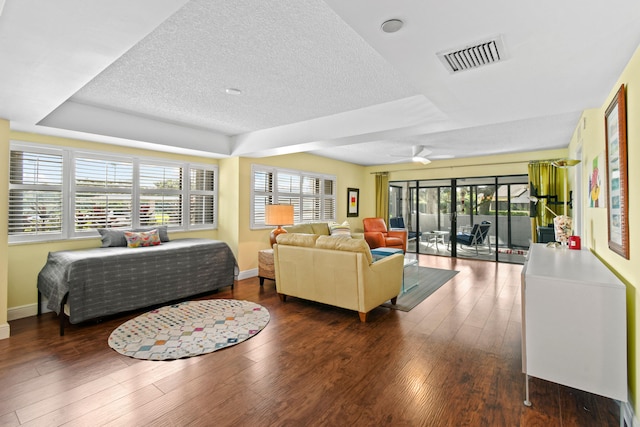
[[573, 322]]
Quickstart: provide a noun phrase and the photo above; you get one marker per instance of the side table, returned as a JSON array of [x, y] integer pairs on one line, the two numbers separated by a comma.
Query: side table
[[266, 269]]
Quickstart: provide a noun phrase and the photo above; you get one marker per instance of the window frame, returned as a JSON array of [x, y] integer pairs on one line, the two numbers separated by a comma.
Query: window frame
[[274, 195], [69, 190], [47, 150]]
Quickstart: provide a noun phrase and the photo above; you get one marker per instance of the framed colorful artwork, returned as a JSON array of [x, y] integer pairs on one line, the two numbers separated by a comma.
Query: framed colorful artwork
[[597, 189], [353, 201], [615, 124]]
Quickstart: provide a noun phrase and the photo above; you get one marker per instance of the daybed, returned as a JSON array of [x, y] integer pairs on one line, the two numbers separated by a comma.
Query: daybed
[[103, 281], [337, 271]]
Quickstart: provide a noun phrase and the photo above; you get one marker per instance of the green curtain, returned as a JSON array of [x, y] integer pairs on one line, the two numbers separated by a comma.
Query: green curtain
[[382, 196], [545, 180]]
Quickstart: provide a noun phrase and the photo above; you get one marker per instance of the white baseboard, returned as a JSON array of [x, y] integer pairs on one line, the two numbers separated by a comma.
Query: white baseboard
[[15, 313], [248, 273], [5, 331]]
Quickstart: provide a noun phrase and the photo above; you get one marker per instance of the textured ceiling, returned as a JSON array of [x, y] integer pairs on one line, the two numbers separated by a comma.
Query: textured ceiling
[[293, 61], [315, 76]]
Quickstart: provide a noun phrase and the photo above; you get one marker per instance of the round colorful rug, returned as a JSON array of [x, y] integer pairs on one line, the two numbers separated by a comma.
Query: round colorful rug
[[189, 329]]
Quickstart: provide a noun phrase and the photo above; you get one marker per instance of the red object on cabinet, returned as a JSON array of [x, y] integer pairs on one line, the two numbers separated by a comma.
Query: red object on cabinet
[[574, 242]]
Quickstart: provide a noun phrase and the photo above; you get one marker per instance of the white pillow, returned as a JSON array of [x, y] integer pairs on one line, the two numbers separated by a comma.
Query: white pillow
[[340, 230]]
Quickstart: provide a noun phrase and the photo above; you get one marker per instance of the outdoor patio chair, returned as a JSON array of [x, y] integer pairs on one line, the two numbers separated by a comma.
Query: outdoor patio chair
[[477, 237], [398, 223]]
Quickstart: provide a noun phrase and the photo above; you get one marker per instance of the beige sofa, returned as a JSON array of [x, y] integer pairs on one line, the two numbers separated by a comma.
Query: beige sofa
[[335, 271], [320, 228]]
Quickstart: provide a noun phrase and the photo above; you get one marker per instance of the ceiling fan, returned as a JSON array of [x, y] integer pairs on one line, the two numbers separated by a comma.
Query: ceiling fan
[[418, 155]]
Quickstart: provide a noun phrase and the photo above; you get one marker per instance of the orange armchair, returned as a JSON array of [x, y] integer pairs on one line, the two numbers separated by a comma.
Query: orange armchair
[[377, 235]]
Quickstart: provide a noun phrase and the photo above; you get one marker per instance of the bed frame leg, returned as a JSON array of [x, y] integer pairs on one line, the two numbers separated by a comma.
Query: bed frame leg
[[62, 315], [39, 303]]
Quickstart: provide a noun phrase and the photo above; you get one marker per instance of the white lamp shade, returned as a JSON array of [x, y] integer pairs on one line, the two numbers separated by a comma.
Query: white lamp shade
[[278, 215]]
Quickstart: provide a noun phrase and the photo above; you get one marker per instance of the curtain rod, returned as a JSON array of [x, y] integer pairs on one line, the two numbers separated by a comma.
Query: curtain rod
[[452, 167]]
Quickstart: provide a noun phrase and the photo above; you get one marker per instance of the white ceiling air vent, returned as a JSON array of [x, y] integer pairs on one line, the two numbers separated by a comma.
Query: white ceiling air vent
[[473, 56]]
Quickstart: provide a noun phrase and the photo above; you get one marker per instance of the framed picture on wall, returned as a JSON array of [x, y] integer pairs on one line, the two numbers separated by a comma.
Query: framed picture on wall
[[615, 123], [353, 201]]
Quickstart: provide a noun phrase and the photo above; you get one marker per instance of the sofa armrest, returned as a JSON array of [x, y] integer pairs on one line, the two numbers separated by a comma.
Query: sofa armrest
[[400, 234], [383, 281], [375, 239]]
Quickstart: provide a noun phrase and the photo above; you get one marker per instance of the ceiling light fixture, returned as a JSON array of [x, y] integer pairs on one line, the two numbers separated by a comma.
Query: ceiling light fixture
[[392, 25]]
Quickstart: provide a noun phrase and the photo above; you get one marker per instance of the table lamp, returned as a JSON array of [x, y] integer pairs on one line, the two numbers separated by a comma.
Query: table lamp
[[278, 215]]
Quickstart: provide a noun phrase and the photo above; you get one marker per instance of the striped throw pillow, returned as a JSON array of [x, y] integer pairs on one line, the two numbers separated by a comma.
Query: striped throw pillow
[[340, 230]]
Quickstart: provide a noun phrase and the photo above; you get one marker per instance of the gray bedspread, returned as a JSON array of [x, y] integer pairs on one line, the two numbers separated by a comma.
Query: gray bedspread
[[104, 281]]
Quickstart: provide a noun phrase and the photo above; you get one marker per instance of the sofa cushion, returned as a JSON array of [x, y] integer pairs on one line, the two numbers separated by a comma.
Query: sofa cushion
[[162, 231], [321, 228], [350, 245], [112, 237], [137, 239], [300, 228], [340, 230], [115, 237], [297, 239]]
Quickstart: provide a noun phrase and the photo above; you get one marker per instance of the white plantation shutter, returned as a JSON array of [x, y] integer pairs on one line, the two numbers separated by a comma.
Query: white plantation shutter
[[262, 194], [329, 198], [288, 183], [311, 200], [35, 193], [103, 193], [311, 195], [61, 193], [202, 196], [160, 198]]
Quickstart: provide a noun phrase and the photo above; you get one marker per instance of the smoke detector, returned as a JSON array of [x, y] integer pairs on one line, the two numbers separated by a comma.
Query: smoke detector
[[474, 55]]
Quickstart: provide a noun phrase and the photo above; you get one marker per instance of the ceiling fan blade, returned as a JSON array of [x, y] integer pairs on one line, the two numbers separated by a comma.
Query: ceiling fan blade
[[420, 151], [419, 159]]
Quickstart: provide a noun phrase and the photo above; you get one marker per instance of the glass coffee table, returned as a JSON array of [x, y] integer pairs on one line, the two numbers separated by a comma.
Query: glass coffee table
[[410, 274]]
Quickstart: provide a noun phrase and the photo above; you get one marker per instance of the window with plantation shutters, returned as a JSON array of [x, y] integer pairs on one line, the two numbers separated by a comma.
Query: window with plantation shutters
[[35, 193], [202, 196], [312, 195], [62, 193], [103, 193], [160, 195]]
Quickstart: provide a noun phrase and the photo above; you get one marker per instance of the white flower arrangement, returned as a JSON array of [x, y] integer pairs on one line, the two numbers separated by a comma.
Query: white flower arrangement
[[563, 226]]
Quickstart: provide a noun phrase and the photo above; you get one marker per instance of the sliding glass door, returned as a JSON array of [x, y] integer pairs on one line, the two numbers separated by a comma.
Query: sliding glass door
[[482, 218]]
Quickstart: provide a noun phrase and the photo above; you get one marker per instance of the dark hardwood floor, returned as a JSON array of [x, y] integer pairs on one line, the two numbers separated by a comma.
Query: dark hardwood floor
[[454, 360]]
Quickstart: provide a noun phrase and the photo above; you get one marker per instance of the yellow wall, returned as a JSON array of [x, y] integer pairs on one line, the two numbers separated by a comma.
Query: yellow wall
[[590, 136], [4, 209], [26, 260], [228, 202]]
